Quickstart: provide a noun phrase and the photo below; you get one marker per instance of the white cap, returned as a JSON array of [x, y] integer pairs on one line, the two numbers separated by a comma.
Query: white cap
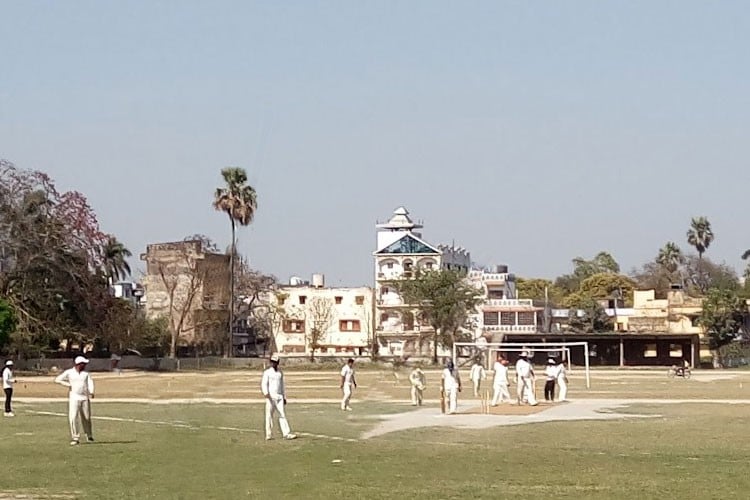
[[9, 363], [524, 353], [275, 357], [79, 360]]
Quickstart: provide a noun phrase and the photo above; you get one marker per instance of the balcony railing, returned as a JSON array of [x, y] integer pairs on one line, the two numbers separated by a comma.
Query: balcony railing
[[511, 328], [490, 276], [509, 302]]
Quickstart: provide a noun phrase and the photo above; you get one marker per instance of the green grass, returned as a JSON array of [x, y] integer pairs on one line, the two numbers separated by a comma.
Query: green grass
[[690, 451]]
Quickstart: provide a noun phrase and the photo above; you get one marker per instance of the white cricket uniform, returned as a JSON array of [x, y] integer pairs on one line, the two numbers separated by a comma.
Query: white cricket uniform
[[81, 391], [272, 387], [477, 374], [562, 382], [348, 373], [417, 379], [500, 384], [525, 387], [451, 383]]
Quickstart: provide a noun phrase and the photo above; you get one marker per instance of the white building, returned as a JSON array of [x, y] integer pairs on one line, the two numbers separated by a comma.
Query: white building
[[343, 316], [399, 252]]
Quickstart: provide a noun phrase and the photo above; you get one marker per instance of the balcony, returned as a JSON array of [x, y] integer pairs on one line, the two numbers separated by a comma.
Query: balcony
[[490, 277], [389, 302], [509, 302], [510, 328]]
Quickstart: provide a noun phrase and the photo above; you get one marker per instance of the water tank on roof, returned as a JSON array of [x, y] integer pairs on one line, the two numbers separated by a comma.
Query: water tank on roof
[[295, 281], [318, 280], [501, 268]]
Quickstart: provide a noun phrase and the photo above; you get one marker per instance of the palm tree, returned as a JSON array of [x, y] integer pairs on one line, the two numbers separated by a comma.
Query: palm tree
[[114, 260], [670, 257], [238, 200], [700, 235]]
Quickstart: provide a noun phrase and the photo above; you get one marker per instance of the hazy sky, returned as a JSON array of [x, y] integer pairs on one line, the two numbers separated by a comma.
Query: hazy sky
[[528, 132]]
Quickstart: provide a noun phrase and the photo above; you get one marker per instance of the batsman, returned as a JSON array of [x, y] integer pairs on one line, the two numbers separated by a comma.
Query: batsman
[[451, 386], [418, 382]]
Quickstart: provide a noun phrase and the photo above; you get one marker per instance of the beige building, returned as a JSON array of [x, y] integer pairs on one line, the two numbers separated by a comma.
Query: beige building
[[678, 313], [190, 287], [333, 320]]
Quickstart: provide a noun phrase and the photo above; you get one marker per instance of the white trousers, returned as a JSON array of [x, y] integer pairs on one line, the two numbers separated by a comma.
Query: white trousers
[[416, 395], [347, 396], [501, 393], [275, 404], [79, 410], [452, 396], [477, 383], [525, 391], [563, 394]]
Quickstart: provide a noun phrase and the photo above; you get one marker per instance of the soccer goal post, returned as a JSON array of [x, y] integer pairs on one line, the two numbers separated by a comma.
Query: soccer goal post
[[485, 349]]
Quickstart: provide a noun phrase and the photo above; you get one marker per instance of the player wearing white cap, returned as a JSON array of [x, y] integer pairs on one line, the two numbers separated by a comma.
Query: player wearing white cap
[[8, 381], [81, 391], [525, 380], [272, 387]]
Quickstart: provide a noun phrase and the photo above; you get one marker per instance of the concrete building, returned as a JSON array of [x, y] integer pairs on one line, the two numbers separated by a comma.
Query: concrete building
[[335, 320], [400, 251], [190, 287]]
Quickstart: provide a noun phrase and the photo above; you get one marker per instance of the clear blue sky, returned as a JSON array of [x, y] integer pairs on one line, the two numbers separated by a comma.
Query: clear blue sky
[[528, 132]]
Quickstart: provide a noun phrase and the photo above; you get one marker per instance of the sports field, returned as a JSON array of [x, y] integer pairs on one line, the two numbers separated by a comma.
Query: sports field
[[200, 435]]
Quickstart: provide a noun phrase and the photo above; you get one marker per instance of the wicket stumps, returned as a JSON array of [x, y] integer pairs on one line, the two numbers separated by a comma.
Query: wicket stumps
[[484, 402]]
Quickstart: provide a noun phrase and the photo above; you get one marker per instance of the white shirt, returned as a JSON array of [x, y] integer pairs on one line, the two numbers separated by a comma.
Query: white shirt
[[417, 378], [523, 368], [451, 379], [272, 383], [8, 379], [561, 373], [477, 373], [501, 373], [551, 372], [81, 384], [348, 373]]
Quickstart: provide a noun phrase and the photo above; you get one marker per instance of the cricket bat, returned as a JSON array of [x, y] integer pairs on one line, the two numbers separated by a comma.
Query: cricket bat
[[442, 401]]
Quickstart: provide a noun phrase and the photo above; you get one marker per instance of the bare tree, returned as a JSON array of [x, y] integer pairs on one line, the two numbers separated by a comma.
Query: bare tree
[[320, 316]]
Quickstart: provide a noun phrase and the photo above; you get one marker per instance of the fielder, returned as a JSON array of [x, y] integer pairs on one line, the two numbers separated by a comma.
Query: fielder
[[500, 383], [272, 387], [551, 373], [525, 380], [418, 381], [451, 386], [562, 381], [477, 374], [80, 394], [348, 384]]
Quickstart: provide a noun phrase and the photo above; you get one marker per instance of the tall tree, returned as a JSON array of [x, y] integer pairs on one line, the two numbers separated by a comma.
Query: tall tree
[[603, 262], [670, 257], [239, 201], [445, 300], [722, 317], [320, 316], [700, 235], [114, 260]]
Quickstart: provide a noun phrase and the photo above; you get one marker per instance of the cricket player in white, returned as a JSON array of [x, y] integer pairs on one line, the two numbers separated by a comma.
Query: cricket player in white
[[272, 387], [451, 386], [500, 383], [348, 383], [81, 391], [477, 374], [562, 381], [417, 380], [525, 380]]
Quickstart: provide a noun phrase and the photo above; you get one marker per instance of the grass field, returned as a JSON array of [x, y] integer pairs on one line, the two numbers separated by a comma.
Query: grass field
[[204, 450]]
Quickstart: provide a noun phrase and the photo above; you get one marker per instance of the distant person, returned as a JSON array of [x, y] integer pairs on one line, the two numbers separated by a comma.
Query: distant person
[[348, 384], [477, 374], [525, 380], [418, 382], [115, 363], [451, 386], [8, 381], [562, 382], [272, 387], [551, 374], [81, 391], [500, 382]]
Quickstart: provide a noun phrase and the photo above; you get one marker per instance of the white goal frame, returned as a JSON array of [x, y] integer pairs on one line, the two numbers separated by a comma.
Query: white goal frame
[[534, 346]]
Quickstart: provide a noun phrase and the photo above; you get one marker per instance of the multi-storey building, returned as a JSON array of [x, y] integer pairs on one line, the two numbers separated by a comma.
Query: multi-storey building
[[400, 251], [189, 286], [328, 320]]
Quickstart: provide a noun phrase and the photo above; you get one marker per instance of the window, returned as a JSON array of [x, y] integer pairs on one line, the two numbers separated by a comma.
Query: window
[[525, 318], [360, 299], [349, 325], [507, 318], [338, 299], [495, 294], [302, 299], [281, 299], [294, 326], [649, 351], [389, 265], [428, 266], [491, 319]]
